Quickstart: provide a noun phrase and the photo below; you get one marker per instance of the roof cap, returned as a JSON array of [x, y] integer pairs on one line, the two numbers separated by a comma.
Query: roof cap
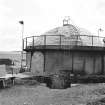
[[66, 21]]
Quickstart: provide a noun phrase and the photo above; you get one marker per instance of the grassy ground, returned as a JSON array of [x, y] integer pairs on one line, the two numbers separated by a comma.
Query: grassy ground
[[84, 94]]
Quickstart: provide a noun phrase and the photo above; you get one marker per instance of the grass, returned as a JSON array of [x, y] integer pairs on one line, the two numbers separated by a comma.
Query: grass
[[34, 93]]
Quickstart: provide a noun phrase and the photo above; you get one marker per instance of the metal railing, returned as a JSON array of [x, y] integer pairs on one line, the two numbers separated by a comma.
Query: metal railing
[[60, 40]]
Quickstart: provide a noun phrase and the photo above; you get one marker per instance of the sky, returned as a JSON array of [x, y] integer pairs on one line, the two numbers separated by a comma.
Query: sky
[[40, 16]]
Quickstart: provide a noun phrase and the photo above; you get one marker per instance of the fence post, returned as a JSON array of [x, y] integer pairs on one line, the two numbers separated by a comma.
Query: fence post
[[33, 42], [60, 42], [26, 42], [23, 44], [45, 41], [92, 40]]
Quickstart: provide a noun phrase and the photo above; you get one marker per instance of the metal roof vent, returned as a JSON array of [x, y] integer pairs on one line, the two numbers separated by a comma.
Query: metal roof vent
[[66, 21]]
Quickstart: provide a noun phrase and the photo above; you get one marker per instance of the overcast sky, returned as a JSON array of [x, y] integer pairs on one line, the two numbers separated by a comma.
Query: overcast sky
[[42, 15]]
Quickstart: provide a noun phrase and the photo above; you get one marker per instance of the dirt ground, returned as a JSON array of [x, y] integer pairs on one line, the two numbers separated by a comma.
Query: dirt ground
[[82, 94]]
